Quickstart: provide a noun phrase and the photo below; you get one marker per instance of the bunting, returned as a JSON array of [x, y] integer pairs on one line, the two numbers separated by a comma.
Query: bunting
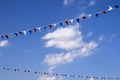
[[66, 22], [62, 75]]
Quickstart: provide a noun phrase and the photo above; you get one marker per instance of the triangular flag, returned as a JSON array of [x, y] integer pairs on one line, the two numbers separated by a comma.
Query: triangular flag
[[116, 6], [84, 17], [44, 27], [20, 33], [39, 28], [96, 14], [6, 36], [66, 22], [50, 26], [78, 20], [35, 29], [2, 37], [16, 34], [110, 8], [72, 20], [30, 31], [104, 12], [89, 15], [61, 24], [14, 69], [24, 32], [54, 24]]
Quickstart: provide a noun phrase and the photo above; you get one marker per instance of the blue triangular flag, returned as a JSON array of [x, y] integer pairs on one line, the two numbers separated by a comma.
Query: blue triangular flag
[[16, 34], [61, 24], [78, 20], [96, 15], [30, 31], [116, 6], [2, 37]]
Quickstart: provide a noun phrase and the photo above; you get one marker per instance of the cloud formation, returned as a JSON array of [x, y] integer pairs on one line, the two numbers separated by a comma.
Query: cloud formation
[[49, 78], [3, 43], [92, 2], [69, 39], [66, 2]]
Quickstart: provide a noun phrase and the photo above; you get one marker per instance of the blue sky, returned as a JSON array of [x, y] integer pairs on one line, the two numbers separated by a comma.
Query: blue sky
[[88, 48]]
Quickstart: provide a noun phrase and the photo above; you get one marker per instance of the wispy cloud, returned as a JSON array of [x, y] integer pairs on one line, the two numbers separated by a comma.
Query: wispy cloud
[[92, 2], [49, 78], [3, 43], [101, 37], [111, 37], [70, 39], [66, 2], [89, 34]]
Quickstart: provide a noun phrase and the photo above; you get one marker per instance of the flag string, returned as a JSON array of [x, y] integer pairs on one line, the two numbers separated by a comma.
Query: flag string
[[59, 75], [66, 22]]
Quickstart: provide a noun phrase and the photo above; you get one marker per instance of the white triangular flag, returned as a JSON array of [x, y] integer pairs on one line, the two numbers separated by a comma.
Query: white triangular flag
[[89, 15], [72, 20], [110, 8], [24, 32], [39, 29], [54, 24]]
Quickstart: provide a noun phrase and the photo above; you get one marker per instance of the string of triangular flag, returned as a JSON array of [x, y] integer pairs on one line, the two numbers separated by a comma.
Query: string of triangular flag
[[59, 75], [66, 22]]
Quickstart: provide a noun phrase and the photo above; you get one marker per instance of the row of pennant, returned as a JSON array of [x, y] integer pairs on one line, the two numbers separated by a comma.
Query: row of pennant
[[60, 75], [66, 22]]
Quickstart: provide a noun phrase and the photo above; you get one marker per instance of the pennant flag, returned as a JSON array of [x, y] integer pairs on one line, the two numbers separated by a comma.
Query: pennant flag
[[39, 29], [66, 22], [16, 34], [35, 29], [44, 27], [20, 33], [35, 72], [84, 17], [14, 69], [8, 69], [28, 71], [30, 31], [72, 20], [110, 8], [96, 15], [50, 26], [54, 24], [24, 32], [6, 36], [78, 20], [25, 70], [116, 6], [2, 37], [89, 15], [61, 24], [104, 12]]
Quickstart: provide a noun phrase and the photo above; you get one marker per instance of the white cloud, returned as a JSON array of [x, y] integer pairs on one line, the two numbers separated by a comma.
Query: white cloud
[[102, 37], [49, 78], [70, 39], [112, 37], [89, 34], [91, 78], [66, 2], [3, 43], [92, 2]]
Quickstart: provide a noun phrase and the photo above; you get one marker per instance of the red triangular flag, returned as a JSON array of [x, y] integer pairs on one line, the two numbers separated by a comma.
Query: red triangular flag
[[104, 12], [66, 22], [35, 29], [84, 17], [50, 26]]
